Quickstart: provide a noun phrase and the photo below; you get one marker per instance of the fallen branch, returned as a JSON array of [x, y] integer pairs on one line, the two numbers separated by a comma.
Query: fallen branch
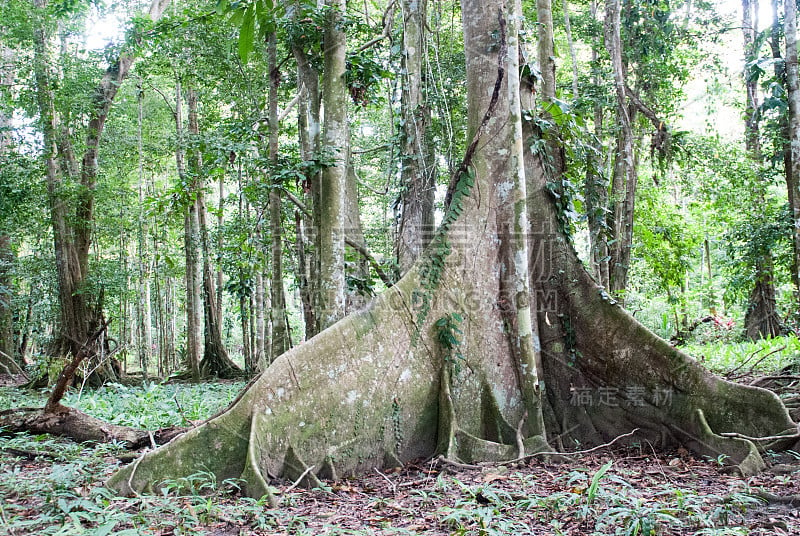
[[766, 438], [30, 454], [67, 374], [11, 360], [386, 478], [577, 452], [80, 427], [730, 375], [764, 379], [300, 479], [458, 465], [791, 500]]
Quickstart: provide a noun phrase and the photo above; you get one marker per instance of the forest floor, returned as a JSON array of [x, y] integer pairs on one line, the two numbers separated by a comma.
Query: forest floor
[[55, 486]]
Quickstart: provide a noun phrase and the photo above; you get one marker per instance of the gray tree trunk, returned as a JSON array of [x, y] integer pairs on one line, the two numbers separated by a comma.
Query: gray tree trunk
[[333, 185], [417, 158], [280, 328], [623, 183], [793, 138]]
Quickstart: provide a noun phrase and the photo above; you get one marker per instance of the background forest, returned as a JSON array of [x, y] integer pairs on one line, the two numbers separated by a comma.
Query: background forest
[[207, 168], [190, 189], [675, 194]]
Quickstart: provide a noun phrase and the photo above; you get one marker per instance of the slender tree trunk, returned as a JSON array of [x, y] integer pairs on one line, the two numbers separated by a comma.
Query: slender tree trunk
[[333, 185], [623, 184], [546, 49], [309, 132], [27, 330], [220, 244], [7, 351], [596, 186], [144, 313], [417, 159], [571, 44], [191, 244], [749, 32], [761, 318], [280, 329], [793, 139], [7, 256], [260, 329]]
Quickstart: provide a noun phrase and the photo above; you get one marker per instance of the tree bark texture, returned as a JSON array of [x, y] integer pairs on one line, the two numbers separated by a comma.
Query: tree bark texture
[[793, 138], [333, 184], [417, 157], [623, 183], [280, 328]]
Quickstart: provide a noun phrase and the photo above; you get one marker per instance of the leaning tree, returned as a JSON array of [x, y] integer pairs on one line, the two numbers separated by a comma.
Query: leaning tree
[[495, 344]]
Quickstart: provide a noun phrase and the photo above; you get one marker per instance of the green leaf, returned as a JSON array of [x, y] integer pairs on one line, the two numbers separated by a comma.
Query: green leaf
[[223, 6], [247, 34], [105, 529]]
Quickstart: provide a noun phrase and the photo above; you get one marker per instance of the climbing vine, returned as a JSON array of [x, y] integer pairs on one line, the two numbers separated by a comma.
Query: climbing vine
[[448, 333], [432, 267]]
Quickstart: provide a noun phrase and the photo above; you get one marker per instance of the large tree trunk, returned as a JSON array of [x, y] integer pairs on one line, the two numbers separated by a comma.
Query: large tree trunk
[[761, 318], [623, 183], [792, 154], [417, 163], [333, 185], [446, 360], [280, 327]]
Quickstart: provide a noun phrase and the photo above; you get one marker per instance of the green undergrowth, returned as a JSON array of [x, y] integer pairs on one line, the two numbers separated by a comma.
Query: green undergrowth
[[66, 498], [767, 356], [52, 486], [149, 407]]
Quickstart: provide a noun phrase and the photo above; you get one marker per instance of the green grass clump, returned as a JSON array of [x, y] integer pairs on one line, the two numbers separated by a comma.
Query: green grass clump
[[764, 356]]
